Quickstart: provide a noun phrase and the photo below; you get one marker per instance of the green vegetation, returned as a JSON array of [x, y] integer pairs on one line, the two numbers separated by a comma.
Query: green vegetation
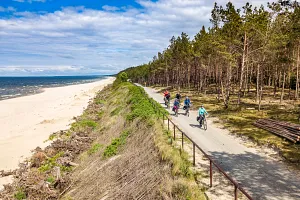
[[100, 101], [116, 143], [115, 111], [65, 168], [50, 162], [100, 113], [140, 105], [82, 124], [95, 148], [123, 77], [50, 179], [20, 194]]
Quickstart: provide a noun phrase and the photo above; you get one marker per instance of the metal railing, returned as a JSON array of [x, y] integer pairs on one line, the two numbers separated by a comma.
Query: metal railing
[[211, 161]]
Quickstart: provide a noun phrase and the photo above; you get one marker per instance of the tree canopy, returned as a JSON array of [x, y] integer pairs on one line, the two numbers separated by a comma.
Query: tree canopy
[[251, 46]]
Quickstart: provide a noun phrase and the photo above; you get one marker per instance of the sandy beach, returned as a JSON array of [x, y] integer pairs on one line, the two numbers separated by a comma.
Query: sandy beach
[[26, 122]]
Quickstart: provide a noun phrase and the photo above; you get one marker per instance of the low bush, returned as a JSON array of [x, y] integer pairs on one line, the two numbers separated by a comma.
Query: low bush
[[20, 194], [112, 149]]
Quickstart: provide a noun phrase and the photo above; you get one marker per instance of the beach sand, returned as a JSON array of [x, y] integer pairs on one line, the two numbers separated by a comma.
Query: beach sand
[[26, 122]]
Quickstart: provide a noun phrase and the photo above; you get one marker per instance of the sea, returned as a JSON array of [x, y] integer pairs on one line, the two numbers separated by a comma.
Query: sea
[[12, 87]]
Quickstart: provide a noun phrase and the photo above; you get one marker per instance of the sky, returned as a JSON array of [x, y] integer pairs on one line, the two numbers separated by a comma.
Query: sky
[[92, 37]]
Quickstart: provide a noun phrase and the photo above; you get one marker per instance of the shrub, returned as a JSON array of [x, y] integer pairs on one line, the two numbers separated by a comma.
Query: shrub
[[20, 195], [123, 77], [112, 149], [50, 162]]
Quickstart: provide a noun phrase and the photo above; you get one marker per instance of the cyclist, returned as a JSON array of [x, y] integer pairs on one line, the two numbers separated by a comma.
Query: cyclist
[[167, 97], [201, 114], [178, 96], [176, 106], [187, 105]]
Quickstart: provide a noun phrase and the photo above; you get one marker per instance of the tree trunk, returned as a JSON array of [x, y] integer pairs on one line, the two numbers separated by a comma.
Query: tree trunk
[[260, 97], [297, 78], [257, 82], [282, 90], [242, 69], [223, 95]]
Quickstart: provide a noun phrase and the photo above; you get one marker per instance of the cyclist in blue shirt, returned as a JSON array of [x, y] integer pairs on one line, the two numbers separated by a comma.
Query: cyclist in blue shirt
[[187, 101], [187, 105], [201, 114]]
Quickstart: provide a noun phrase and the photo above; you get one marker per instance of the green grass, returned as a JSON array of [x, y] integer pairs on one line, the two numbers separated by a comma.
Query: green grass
[[99, 101], [112, 149], [20, 194], [50, 179], [85, 123], [94, 148]]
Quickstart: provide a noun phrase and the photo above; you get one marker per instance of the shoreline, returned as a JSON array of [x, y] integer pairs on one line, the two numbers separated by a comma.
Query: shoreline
[[27, 121], [41, 89]]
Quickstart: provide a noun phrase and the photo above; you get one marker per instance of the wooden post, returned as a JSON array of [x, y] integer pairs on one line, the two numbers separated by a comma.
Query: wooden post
[[210, 172], [182, 140], [174, 133], [235, 192], [194, 159]]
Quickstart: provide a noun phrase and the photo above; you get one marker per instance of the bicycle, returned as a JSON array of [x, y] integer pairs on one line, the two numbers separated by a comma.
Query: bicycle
[[187, 110], [203, 122], [167, 102], [175, 109]]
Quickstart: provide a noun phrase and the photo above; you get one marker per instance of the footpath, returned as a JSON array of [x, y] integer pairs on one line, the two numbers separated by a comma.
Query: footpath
[[262, 176]]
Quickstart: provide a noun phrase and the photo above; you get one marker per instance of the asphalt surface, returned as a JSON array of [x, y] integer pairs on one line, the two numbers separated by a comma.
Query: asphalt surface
[[259, 174]]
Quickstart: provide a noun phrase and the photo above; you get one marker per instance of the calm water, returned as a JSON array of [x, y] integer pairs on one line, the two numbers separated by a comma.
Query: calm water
[[11, 87]]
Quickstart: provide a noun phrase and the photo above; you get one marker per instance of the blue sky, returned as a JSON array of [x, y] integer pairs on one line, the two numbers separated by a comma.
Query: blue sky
[[79, 37]]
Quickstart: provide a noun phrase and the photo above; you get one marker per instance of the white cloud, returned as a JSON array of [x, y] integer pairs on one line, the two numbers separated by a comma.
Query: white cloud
[[110, 8], [8, 9], [99, 41]]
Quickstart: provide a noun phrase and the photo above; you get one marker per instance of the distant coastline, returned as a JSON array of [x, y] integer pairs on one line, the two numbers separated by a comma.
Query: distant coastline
[[18, 86]]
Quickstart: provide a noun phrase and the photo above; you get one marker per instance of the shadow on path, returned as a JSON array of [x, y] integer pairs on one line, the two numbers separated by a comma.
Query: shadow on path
[[195, 126], [264, 179]]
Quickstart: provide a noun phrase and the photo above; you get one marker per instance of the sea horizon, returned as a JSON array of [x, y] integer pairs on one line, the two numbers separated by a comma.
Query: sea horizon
[[18, 86]]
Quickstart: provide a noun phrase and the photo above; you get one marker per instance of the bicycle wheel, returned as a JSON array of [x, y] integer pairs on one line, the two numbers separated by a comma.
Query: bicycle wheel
[[204, 124]]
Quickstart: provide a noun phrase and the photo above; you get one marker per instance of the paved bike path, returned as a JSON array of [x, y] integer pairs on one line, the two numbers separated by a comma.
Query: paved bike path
[[262, 176]]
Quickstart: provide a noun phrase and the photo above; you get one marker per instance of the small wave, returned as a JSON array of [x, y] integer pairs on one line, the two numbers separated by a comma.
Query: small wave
[[10, 95]]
